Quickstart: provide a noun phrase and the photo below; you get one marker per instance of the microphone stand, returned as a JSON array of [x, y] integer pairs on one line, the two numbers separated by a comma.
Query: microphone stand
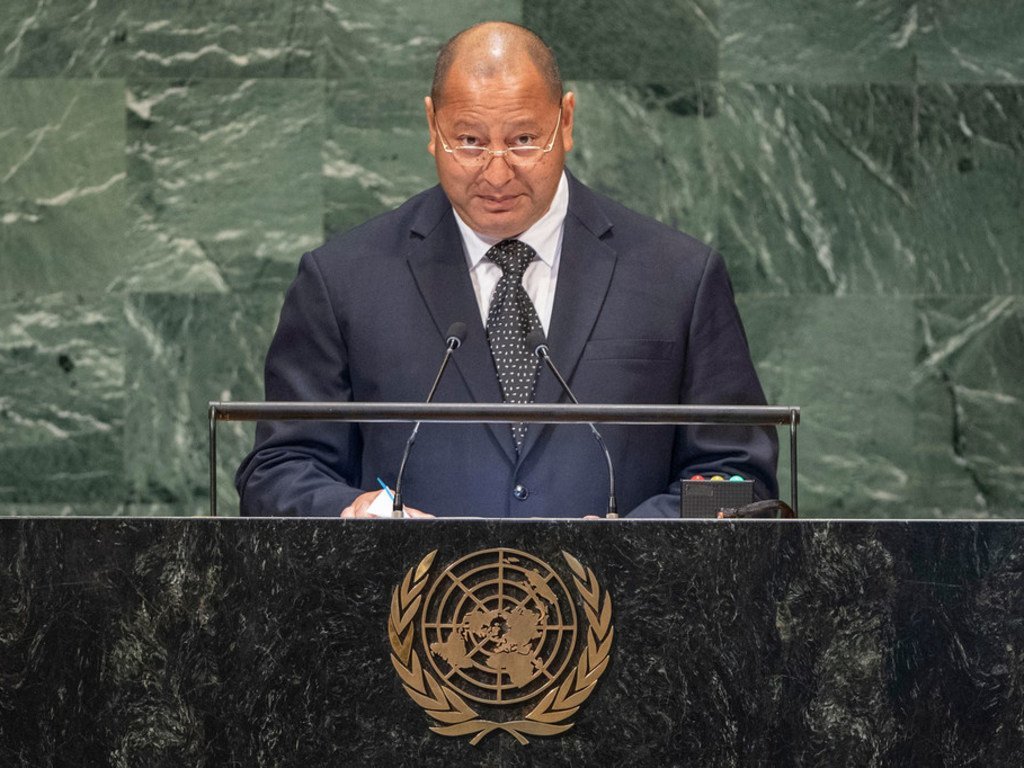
[[536, 340], [455, 336]]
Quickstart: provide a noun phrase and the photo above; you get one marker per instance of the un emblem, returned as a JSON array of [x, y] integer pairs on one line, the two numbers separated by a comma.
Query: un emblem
[[499, 628]]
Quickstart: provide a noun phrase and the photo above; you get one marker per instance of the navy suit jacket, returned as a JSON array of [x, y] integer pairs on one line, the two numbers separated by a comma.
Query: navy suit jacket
[[642, 314]]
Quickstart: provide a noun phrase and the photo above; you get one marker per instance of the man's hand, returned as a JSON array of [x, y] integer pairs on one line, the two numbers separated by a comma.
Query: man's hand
[[359, 507]]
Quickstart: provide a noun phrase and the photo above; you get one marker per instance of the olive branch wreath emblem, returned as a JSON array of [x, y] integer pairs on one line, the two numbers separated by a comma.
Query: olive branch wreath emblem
[[446, 706]]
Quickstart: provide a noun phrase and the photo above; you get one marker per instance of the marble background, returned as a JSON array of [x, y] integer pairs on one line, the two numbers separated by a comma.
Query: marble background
[[859, 165]]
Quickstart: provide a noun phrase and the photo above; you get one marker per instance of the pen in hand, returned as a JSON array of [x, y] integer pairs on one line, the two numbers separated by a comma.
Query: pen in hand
[[386, 489]]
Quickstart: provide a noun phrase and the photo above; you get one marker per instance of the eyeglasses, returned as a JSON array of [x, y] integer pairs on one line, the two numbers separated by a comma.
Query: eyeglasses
[[524, 156]]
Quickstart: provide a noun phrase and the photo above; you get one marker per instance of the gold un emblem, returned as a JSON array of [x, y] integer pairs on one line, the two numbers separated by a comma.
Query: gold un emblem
[[498, 629]]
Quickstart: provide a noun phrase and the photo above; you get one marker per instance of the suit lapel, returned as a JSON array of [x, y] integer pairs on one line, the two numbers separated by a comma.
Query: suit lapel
[[437, 261], [585, 272]]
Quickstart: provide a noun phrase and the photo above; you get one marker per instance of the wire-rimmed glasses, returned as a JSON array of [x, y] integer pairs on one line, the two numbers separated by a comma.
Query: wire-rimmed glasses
[[474, 156]]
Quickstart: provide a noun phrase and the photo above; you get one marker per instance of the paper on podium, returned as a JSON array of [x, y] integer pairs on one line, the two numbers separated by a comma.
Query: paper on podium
[[381, 506]]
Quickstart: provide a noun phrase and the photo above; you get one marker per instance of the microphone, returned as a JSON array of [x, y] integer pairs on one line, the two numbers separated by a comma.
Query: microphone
[[535, 340], [453, 340]]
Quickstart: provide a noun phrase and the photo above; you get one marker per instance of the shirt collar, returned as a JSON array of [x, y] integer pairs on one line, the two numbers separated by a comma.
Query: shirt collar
[[544, 236]]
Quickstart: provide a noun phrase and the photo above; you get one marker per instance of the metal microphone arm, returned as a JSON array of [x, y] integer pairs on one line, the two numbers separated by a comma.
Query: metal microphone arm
[[544, 354], [456, 334]]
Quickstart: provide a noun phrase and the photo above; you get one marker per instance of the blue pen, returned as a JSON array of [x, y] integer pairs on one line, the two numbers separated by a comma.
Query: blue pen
[[386, 489]]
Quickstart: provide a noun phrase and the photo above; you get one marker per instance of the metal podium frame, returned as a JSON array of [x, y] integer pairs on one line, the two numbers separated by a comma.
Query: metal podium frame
[[497, 413]]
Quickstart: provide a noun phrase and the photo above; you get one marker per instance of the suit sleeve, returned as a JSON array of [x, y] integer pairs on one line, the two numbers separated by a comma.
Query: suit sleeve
[[718, 371], [304, 468]]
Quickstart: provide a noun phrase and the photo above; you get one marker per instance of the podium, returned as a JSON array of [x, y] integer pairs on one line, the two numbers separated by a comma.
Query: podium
[[508, 413], [215, 642]]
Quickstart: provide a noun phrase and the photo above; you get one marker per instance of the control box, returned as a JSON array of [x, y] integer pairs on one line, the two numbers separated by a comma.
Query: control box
[[703, 498]]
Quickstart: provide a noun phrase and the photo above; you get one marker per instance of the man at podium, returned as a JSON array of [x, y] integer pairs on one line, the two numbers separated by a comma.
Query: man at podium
[[508, 244]]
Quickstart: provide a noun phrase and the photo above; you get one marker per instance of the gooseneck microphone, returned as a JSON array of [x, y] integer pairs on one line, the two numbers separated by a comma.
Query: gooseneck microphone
[[453, 340], [535, 340]]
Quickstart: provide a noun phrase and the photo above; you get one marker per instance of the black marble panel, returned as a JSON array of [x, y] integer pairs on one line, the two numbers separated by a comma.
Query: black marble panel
[[264, 642]]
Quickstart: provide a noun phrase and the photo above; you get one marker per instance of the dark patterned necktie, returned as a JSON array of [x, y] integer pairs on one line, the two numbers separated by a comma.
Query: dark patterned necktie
[[511, 317]]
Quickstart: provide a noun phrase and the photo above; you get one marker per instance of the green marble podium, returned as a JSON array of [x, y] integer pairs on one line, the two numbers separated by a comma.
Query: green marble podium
[[170, 642]]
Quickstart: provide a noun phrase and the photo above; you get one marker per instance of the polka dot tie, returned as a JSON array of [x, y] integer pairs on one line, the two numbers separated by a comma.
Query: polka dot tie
[[511, 317]]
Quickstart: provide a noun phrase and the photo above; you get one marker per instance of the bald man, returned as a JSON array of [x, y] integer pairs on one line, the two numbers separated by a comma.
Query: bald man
[[508, 242]]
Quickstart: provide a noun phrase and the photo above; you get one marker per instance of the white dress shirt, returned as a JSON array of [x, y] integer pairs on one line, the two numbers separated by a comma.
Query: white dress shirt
[[541, 276]]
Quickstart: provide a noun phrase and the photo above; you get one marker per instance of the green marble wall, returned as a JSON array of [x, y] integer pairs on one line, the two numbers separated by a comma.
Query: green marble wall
[[860, 166]]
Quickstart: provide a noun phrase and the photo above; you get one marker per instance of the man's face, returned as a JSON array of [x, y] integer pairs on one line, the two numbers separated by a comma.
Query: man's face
[[500, 200]]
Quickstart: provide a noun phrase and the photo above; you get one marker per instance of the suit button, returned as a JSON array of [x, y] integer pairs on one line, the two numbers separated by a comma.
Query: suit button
[[520, 492]]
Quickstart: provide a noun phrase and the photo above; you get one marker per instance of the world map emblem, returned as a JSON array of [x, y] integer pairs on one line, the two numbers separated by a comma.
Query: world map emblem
[[503, 646]]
